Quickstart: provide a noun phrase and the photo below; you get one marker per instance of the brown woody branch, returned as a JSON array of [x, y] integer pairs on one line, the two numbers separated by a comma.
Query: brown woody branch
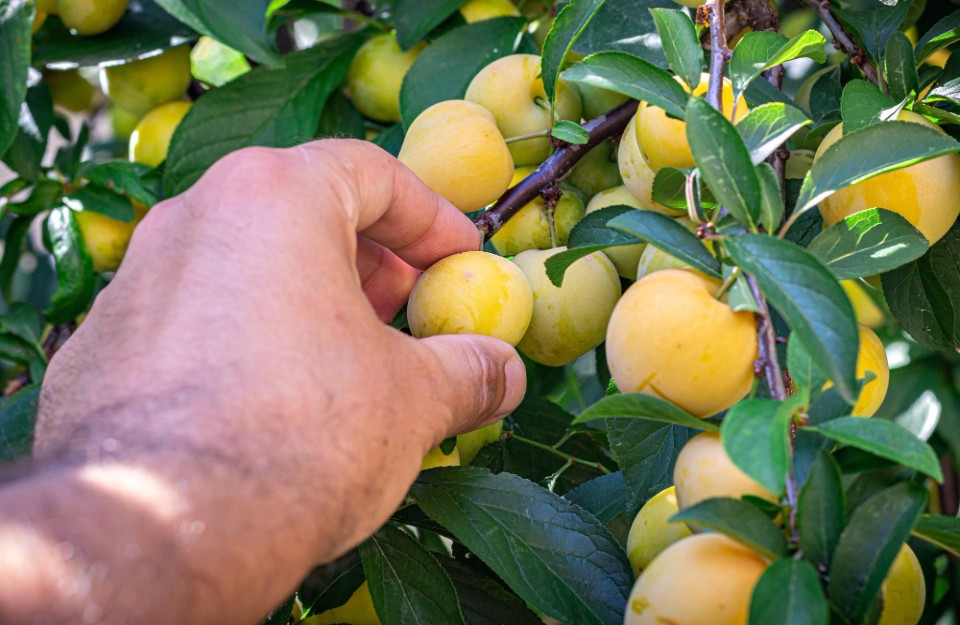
[[554, 168], [842, 39], [719, 53]]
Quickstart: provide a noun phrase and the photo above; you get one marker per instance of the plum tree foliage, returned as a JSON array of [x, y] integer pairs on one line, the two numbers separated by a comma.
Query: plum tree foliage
[[721, 236]]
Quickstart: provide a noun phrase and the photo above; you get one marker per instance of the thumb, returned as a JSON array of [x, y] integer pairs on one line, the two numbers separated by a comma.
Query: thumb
[[482, 378]]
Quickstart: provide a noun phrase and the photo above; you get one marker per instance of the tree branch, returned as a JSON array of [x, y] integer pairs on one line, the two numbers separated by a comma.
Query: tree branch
[[554, 168], [719, 53], [843, 41]]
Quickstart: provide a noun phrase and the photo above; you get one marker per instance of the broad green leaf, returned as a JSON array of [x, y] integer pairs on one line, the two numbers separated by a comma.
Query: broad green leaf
[[407, 583], [589, 235], [239, 25], [633, 77], [281, 614], [863, 104], [809, 298], [130, 179], [97, 199], [144, 30], [885, 439], [868, 546], [868, 243], [616, 27], [669, 235], [414, 19], [771, 210], [74, 267], [741, 521], [484, 599], [341, 118], [942, 531], [759, 51], [570, 132], [444, 69], [902, 76], [640, 406], [767, 127], [821, 511], [807, 377], [30, 143], [924, 295], [44, 196], [529, 537], [681, 44], [756, 437], [18, 414], [332, 585], [16, 19], [604, 497], [874, 26], [789, 593], [266, 107], [569, 25], [870, 151], [724, 161], [13, 245], [942, 34]]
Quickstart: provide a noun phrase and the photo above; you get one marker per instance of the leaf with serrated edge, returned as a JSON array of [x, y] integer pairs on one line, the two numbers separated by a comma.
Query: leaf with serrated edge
[[821, 510], [681, 45], [789, 593], [739, 520], [640, 406], [569, 24], [756, 437], [668, 235], [768, 126]]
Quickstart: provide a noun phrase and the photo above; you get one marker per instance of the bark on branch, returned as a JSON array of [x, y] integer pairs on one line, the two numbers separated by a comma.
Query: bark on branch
[[842, 39]]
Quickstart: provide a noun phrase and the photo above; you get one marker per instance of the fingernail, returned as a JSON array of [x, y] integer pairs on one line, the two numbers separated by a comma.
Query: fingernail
[[516, 379]]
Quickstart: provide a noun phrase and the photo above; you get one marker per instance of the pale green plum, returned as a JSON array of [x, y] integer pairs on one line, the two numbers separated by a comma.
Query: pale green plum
[[470, 443], [597, 100], [70, 90], [570, 320], [512, 90], [596, 171], [358, 610], [529, 229], [654, 259], [625, 258], [436, 458], [376, 75], [91, 17], [636, 171], [652, 532], [143, 85]]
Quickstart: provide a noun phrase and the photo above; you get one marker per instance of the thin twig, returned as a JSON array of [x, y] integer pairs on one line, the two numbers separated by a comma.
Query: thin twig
[[718, 52], [554, 168], [843, 41], [557, 452]]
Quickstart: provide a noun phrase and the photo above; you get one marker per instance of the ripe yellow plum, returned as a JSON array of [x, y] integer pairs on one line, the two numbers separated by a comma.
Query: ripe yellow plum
[[358, 610], [663, 140], [871, 357], [151, 138], [91, 17], [436, 458], [867, 311], [924, 194], [626, 257], [70, 90], [652, 532], [904, 591], [636, 172], [471, 293], [456, 149], [799, 164], [470, 443], [704, 470], [596, 171], [511, 89], [376, 75], [655, 343], [570, 320], [529, 229], [105, 238], [662, 594], [478, 10], [142, 85]]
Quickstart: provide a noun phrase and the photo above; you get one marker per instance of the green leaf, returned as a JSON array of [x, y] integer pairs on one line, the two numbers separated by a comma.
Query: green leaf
[[444, 69], [759, 51], [281, 614], [756, 437], [806, 375], [43, 196], [724, 161], [789, 593], [604, 497], [95, 198], [640, 406], [681, 45], [868, 243], [771, 210], [239, 25], [123, 177], [870, 151], [589, 235], [902, 76], [924, 295], [811, 301], [617, 25], [414, 19], [942, 34], [484, 599], [670, 236], [266, 107], [874, 26], [18, 414], [885, 439], [863, 104], [569, 25], [144, 30], [570, 132], [942, 531], [633, 77], [332, 585], [407, 583], [767, 127], [868, 546], [821, 511], [529, 537], [13, 246], [16, 20], [30, 143], [741, 521], [75, 277]]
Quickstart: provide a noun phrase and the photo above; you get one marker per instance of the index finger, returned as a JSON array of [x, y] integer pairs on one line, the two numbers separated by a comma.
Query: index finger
[[387, 203]]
